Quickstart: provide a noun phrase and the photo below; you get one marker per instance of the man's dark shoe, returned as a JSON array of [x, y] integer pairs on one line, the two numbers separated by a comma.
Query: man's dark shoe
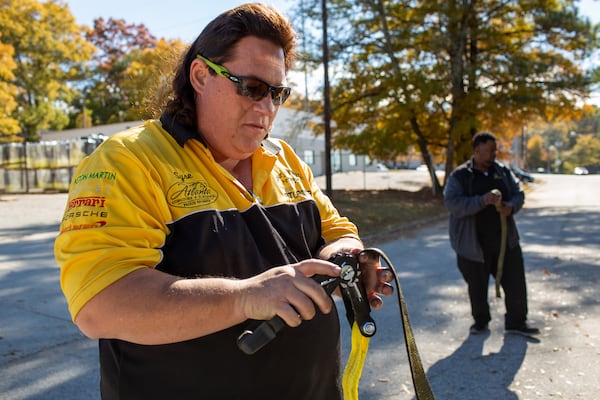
[[478, 329], [524, 330]]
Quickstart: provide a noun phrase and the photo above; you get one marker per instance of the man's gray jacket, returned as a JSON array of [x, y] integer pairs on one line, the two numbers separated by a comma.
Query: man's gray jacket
[[463, 205]]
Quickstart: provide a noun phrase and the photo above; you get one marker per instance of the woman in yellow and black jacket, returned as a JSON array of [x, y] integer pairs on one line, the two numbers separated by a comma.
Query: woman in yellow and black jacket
[[183, 232]]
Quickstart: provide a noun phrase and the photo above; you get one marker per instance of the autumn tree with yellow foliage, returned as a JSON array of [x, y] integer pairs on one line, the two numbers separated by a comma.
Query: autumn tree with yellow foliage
[[431, 73], [48, 52], [119, 44], [149, 76], [9, 127]]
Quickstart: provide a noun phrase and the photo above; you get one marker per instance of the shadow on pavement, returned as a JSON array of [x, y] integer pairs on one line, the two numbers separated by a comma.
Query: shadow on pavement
[[479, 376], [560, 249]]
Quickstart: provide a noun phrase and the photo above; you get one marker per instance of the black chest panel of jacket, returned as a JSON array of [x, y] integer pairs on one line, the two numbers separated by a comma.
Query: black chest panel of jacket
[[300, 363], [242, 244]]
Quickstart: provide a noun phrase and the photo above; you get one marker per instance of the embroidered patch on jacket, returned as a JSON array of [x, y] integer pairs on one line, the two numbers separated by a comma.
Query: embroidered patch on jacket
[[188, 193]]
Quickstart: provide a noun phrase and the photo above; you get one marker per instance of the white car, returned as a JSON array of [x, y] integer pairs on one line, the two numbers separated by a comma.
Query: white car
[[581, 171]]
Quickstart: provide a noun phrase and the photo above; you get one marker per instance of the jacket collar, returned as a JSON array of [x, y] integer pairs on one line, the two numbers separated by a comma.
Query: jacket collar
[[470, 165], [180, 133]]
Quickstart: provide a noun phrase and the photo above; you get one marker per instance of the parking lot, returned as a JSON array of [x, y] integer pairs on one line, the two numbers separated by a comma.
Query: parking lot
[[43, 355]]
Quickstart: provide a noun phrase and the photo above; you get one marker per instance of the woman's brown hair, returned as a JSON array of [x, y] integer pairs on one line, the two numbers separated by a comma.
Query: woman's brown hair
[[216, 42]]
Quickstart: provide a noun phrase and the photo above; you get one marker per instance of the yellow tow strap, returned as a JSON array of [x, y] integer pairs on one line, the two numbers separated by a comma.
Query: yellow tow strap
[[503, 233], [354, 366]]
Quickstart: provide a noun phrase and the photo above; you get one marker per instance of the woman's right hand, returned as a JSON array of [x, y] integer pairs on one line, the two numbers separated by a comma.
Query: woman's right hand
[[287, 291]]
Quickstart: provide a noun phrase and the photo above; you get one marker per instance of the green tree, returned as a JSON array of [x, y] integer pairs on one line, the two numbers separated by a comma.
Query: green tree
[[106, 94], [585, 152], [433, 72], [589, 121], [49, 50]]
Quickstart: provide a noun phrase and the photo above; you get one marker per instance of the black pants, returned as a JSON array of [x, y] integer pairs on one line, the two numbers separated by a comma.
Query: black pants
[[477, 277]]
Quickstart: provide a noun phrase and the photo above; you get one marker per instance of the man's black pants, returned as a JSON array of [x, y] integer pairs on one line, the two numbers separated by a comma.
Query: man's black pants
[[477, 277]]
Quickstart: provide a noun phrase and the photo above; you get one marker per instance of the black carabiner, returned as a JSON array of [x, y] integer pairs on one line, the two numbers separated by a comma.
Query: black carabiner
[[353, 293]]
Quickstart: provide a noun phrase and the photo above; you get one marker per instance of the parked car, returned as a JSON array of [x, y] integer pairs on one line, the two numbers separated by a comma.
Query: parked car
[[581, 171], [523, 176]]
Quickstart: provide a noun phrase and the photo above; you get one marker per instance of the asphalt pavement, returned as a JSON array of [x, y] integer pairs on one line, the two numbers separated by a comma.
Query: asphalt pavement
[[44, 356]]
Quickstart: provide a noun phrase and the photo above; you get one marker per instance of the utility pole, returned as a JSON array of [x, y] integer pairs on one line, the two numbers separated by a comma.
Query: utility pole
[[305, 67], [326, 102]]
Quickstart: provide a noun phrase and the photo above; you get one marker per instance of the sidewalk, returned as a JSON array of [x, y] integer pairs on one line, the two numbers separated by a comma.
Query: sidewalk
[[43, 356]]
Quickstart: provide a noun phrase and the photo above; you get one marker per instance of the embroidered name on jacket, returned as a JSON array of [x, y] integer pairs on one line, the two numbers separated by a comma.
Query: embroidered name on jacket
[[191, 194]]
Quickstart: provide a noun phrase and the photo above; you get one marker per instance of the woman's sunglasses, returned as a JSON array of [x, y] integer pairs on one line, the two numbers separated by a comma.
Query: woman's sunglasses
[[252, 88]]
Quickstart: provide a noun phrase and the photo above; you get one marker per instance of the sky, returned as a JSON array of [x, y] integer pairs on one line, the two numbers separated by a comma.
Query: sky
[[170, 19]]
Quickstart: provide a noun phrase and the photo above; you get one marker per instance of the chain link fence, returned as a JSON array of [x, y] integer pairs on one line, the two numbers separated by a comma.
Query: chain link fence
[[43, 166]]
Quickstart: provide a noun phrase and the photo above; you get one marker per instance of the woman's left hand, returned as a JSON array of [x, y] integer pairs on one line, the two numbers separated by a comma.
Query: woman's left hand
[[375, 278]]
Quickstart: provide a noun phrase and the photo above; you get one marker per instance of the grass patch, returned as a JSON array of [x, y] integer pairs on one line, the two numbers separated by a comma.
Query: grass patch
[[376, 211]]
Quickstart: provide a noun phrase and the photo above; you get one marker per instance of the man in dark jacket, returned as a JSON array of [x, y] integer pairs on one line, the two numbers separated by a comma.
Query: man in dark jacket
[[478, 194]]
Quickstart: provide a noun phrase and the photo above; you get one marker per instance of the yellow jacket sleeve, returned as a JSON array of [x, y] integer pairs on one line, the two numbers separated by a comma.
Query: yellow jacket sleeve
[[112, 225]]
